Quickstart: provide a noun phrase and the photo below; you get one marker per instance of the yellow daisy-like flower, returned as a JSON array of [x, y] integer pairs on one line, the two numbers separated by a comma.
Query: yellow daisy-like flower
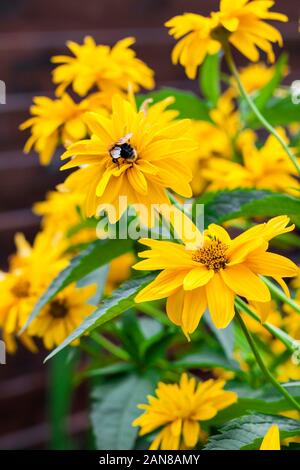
[[62, 315], [137, 154], [211, 275], [240, 22], [178, 408], [271, 441], [25, 282], [110, 69], [62, 212], [58, 121], [267, 167]]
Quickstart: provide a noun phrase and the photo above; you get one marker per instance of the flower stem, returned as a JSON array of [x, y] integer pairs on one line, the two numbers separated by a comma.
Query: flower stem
[[281, 295], [109, 346], [251, 104], [263, 367], [281, 335]]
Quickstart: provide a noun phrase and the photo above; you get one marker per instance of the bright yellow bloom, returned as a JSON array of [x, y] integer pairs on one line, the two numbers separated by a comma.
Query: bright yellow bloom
[[57, 121], [119, 271], [62, 212], [271, 441], [211, 275], [267, 167], [255, 76], [268, 312], [62, 315], [214, 139], [137, 154], [178, 408], [241, 22], [110, 69], [31, 270]]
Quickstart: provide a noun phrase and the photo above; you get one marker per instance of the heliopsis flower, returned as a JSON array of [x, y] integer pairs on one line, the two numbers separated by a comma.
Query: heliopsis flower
[[110, 69], [57, 121], [271, 441], [178, 409], [135, 154], [31, 269], [214, 272], [267, 167], [215, 139], [119, 271], [241, 23], [62, 315], [62, 212]]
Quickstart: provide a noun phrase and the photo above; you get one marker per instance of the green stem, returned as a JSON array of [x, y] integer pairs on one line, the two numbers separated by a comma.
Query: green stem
[[109, 346], [251, 104], [281, 295], [282, 336], [263, 367], [153, 312]]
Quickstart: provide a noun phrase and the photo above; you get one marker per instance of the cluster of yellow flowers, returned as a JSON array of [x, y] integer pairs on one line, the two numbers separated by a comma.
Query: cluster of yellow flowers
[[147, 153]]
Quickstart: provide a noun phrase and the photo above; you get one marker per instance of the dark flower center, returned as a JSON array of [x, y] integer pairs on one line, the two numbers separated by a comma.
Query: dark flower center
[[21, 289], [58, 309], [213, 255]]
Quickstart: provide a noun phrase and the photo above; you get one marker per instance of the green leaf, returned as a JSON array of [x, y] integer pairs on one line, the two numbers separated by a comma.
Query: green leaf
[[96, 255], [248, 431], [206, 358], [263, 400], [267, 91], [279, 112], [187, 103], [224, 336], [226, 205], [121, 300], [210, 78], [114, 409]]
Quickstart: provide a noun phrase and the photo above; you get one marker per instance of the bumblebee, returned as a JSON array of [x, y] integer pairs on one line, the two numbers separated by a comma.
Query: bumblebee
[[123, 150]]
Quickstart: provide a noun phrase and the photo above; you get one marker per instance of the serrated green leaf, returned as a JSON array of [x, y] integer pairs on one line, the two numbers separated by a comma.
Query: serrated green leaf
[[98, 253], [210, 78], [114, 410], [248, 431], [226, 205], [187, 103], [121, 300]]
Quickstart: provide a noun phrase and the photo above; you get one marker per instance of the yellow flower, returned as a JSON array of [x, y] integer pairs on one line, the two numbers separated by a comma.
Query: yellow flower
[[255, 76], [62, 211], [267, 167], [271, 441], [214, 273], [119, 271], [55, 121], [110, 69], [241, 22], [214, 139], [62, 315], [268, 312], [178, 408], [137, 154], [31, 270]]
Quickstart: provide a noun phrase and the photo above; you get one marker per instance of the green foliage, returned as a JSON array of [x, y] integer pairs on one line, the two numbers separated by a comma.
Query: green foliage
[[248, 431], [114, 407], [225, 205], [209, 79], [97, 254], [121, 300], [187, 103]]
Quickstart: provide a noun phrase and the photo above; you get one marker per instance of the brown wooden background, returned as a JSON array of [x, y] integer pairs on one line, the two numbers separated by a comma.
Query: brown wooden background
[[31, 32]]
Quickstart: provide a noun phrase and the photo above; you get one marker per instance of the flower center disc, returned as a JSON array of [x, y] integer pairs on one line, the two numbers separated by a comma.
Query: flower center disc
[[21, 289], [58, 309], [213, 256]]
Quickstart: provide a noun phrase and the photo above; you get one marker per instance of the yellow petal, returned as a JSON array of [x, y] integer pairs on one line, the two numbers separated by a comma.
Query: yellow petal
[[245, 283], [271, 441], [197, 277], [220, 301], [191, 431]]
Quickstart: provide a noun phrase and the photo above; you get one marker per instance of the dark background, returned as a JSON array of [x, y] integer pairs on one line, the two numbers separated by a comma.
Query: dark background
[[31, 32]]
